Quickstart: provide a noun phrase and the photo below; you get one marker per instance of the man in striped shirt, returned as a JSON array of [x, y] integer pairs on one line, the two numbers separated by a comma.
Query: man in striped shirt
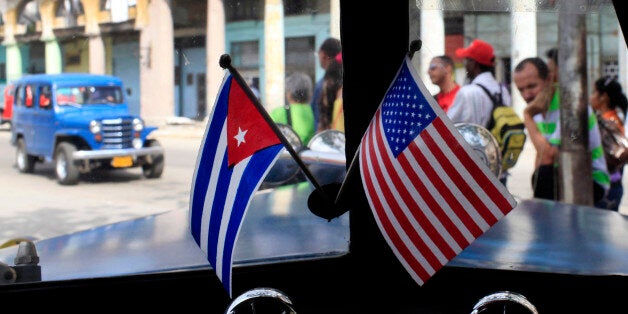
[[542, 121]]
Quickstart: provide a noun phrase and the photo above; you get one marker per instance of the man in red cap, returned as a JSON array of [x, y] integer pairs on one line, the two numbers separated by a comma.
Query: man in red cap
[[472, 103]]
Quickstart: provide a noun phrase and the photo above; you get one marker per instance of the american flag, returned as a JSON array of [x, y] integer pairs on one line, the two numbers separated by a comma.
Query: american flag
[[431, 195], [238, 149]]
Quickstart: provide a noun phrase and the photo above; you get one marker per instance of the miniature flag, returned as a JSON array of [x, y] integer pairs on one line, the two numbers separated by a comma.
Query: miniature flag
[[430, 193], [238, 150]]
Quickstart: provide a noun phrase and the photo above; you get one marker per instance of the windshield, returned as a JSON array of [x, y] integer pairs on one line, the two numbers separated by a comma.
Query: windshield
[[65, 180], [80, 95]]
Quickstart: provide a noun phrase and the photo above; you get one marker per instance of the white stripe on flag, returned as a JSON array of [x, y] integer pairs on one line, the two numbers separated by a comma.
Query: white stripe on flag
[[211, 189], [383, 182]]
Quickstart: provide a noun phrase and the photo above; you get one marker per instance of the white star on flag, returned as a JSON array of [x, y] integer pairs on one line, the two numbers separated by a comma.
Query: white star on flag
[[240, 136]]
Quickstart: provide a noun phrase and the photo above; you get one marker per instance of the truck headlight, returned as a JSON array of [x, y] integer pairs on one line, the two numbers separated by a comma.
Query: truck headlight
[[138, 125], [137, 143], [95, 126]]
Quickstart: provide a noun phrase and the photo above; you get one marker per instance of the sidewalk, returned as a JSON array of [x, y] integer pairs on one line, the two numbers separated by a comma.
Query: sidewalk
[[519, 182], [181, 128]]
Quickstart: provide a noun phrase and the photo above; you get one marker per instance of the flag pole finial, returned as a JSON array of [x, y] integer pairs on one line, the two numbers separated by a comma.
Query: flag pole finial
[[225, 61], [323, 207], [415, 46]]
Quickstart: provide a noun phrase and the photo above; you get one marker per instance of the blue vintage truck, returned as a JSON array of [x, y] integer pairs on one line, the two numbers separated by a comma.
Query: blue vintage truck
[[81, 122]]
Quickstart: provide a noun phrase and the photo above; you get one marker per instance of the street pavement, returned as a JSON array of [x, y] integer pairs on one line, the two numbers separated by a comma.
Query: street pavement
[[518, 182]]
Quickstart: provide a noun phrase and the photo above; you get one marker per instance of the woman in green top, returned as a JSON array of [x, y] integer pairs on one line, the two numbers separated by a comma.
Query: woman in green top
[[298, 95]]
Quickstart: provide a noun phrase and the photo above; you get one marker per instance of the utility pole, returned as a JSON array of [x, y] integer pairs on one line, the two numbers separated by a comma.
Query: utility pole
[[575, 171]]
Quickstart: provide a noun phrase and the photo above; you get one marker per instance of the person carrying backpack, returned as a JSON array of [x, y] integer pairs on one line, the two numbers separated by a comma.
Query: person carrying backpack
[[472, 104]]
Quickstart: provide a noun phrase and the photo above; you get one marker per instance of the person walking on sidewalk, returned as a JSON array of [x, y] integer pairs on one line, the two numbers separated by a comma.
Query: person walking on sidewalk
[[327, 52], [297, 112], [610, 104], [472, 103], [441, 72]]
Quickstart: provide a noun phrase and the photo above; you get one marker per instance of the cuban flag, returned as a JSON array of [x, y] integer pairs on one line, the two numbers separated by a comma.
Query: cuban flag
[[238, 149], [430, 193]]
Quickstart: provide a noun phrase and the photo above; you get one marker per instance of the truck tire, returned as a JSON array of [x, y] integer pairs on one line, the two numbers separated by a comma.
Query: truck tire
[[25, 162], [154, 166], [65, 169]]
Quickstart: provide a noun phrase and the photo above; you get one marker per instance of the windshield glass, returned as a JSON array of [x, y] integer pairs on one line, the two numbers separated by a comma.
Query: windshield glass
[[68, 187], [89, 95], [125, 166]]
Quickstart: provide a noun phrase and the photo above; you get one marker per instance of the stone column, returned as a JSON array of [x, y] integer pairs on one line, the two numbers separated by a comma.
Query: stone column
[[215, 47], [97, 63], [53, 51], [334, 18], [433, 38], [523, 43], [274, 54], [14, 57], [157, 63]]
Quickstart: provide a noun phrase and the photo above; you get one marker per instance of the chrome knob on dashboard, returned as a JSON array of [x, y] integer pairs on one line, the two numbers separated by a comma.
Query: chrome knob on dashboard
[[261, 300], [483, 143], [500, 302]]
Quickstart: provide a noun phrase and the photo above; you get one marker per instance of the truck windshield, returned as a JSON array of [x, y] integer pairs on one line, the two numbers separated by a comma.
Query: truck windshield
[[81, 95]]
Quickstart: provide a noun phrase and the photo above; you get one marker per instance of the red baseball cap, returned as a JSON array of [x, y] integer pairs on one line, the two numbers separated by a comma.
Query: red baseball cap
[[478, 50]]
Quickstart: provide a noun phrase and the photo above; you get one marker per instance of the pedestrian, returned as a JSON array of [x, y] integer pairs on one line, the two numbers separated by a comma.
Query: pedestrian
[[327, 52], [255, 87], [331, 113], [610, 104], [552, 64], [441, 72], [542, 121], [297, 113], [472, 103]]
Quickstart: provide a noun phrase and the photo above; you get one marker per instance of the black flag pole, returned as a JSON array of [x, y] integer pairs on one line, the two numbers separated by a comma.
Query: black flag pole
[[225, 63], [415, 46]]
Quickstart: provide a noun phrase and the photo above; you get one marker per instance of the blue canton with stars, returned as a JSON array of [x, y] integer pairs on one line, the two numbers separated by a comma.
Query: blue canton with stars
[[405, 112]]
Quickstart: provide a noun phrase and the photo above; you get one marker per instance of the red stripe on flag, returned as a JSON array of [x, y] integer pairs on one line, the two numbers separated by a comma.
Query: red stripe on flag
[[445, 191], [384, 190], [457, 178], [483, 181], [432, 204], [415, 210], [401, 247]]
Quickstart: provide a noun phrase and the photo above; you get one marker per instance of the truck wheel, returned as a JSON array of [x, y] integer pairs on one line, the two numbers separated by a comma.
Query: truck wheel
[[67, 172], [25, 162], [154, 166]]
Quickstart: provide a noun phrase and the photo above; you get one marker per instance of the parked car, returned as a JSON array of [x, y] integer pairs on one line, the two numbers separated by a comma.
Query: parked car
[[81, 122], [6, 111]]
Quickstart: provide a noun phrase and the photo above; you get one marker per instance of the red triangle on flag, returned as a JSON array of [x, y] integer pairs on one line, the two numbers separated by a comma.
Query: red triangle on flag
[[247, 130]]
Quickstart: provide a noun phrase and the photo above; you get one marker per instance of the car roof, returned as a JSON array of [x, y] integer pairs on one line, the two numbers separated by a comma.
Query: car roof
[[68, 79]]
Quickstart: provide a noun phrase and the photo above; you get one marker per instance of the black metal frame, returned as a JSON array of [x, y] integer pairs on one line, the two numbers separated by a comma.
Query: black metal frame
[[368, 279]]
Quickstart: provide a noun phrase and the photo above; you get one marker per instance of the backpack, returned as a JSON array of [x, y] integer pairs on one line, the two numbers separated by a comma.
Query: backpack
[[508, 129], [614, 143]]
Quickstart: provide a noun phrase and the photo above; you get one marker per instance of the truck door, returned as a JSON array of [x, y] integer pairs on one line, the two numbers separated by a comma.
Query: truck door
[[43, 124], [24, 114]]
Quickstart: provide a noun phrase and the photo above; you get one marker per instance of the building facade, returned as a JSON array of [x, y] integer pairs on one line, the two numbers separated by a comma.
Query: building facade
[[167, 51]]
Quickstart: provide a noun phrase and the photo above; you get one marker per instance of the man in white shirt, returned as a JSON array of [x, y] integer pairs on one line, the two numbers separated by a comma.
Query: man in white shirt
[[472, 104]]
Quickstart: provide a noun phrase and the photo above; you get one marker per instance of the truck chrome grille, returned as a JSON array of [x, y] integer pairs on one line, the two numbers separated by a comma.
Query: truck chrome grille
[[117, 133]]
